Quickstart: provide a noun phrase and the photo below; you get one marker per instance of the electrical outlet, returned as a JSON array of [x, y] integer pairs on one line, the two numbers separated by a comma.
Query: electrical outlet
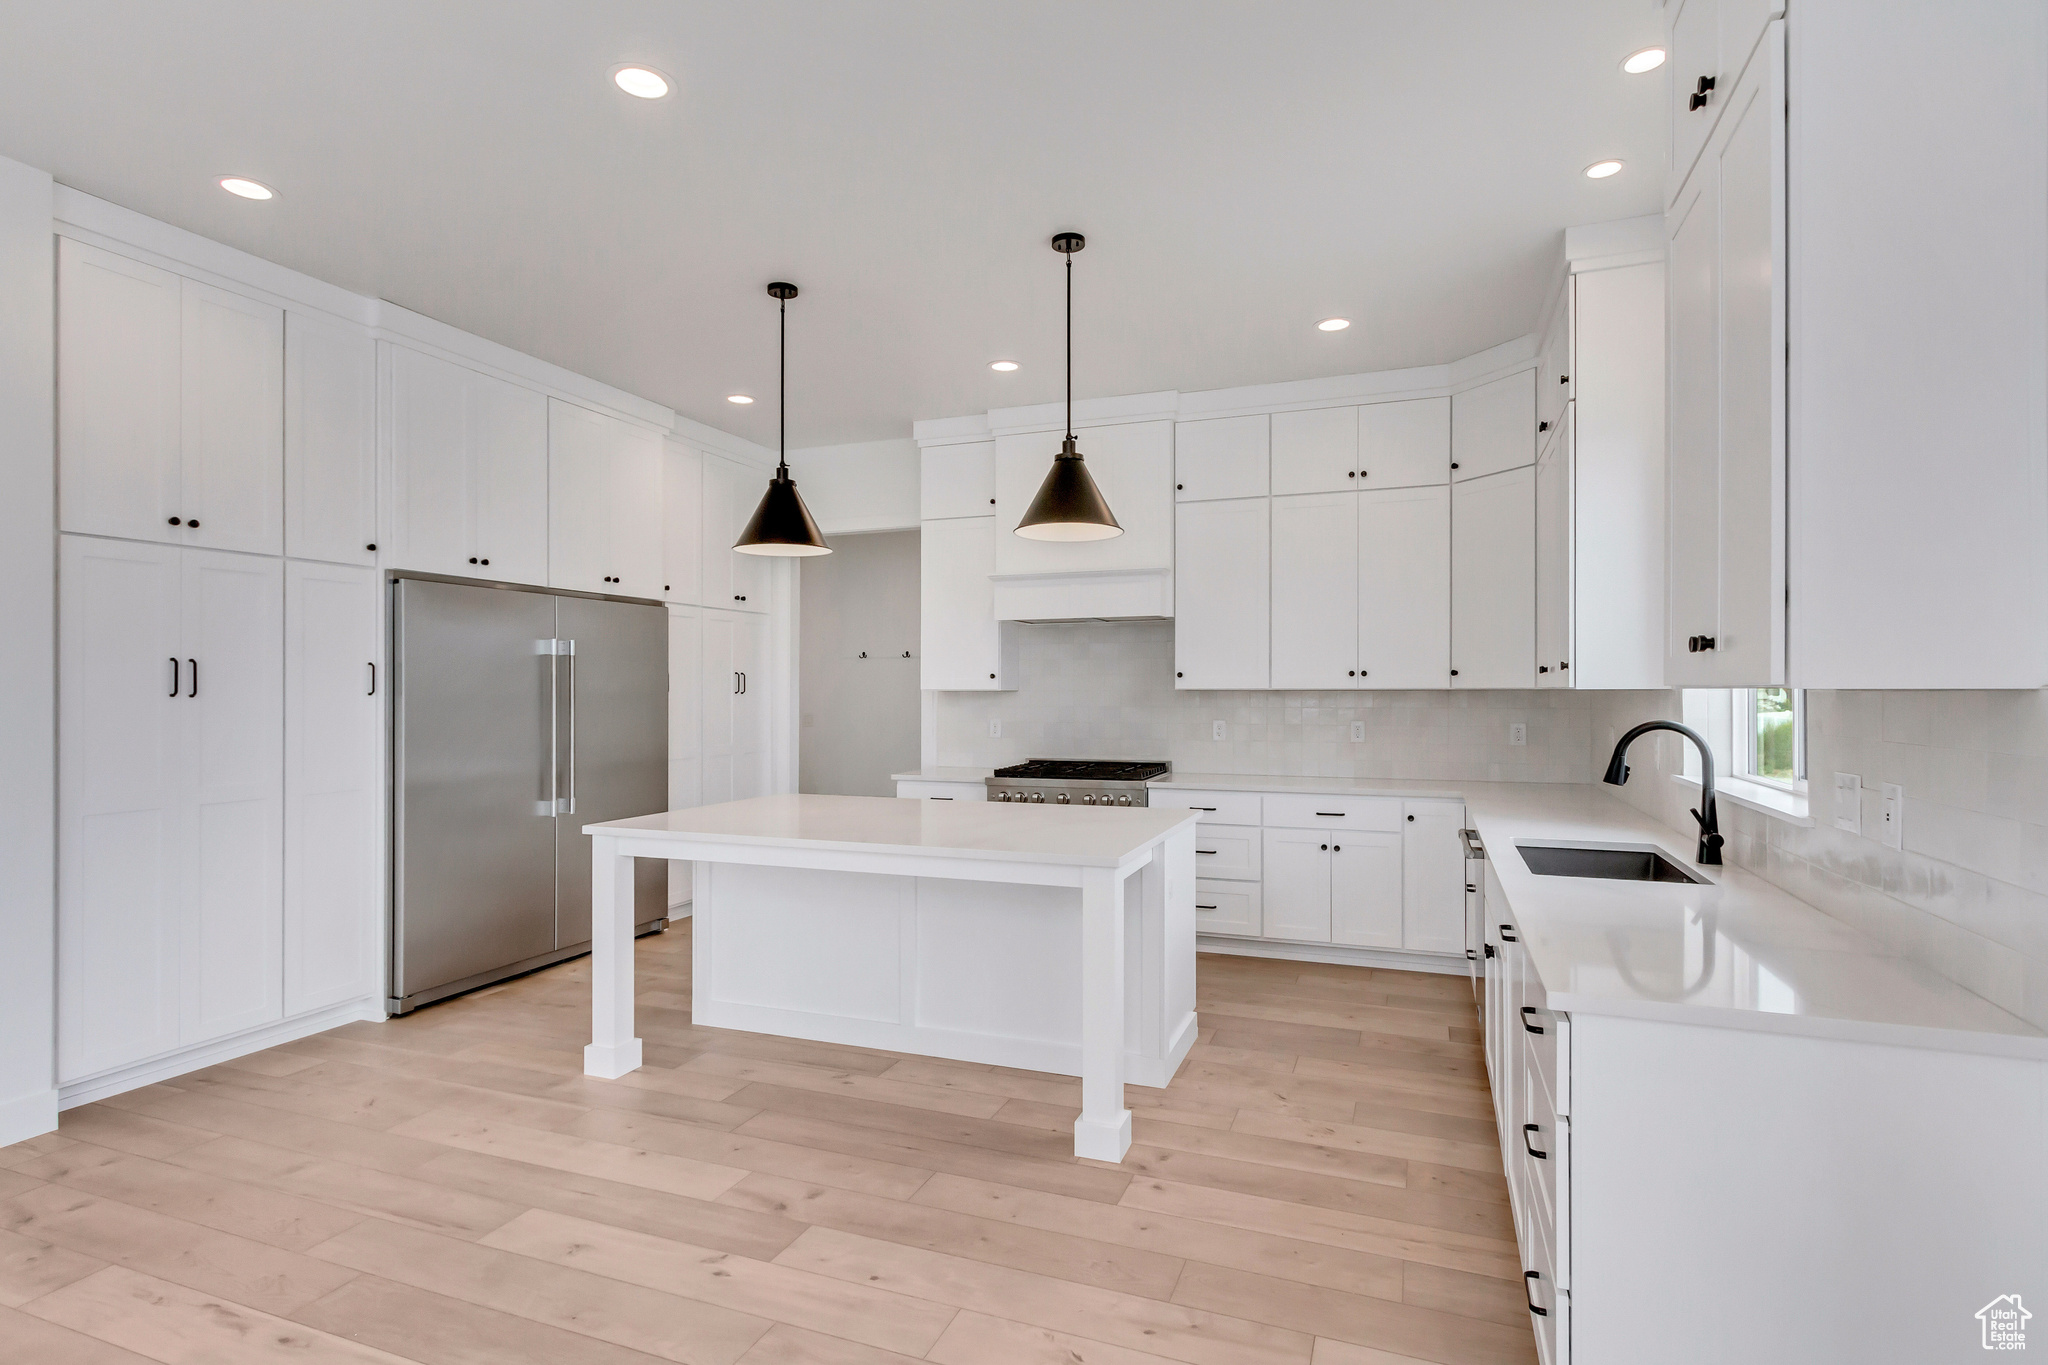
[[995, 729], [1518, 732], [1357, 731], [1892, 833], [1849, 802], [1217, 730]]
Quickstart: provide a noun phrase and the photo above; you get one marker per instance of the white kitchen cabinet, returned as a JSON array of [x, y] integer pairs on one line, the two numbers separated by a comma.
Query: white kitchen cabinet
[[171, 806], [1221, 457], [731, 580], [604, 503], [682, 523], [733, 696], [1365, 888], [942, 791], [1404, 444], [334, 690], [330, 440], [1295, 889], [1404, 587], [957, 481], [1231, 908], [467, 471], [1432, 877], [1554, 559], [751, 776], [1131, 462], [1222, 592], [170, 406], [685, 729], [1228, 852], [1493, 427], [1493, 580], [1711, 41], [1727, 472], [1315, 591], [1315, 451], [963, 647]]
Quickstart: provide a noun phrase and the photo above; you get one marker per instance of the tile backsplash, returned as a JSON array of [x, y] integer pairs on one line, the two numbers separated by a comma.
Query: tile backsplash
[[1105, 690], [1967, 895]]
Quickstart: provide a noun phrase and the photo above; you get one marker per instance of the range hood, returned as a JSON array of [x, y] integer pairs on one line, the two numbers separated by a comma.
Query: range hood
[[1092, 595]]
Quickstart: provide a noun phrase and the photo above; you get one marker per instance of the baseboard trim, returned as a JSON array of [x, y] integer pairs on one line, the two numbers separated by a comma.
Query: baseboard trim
[[1334, 954], [218, 1050], [27, 1116]]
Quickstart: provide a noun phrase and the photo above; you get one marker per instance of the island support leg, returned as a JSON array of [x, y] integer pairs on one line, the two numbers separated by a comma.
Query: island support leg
[[1104, 1129], [613, 1050]]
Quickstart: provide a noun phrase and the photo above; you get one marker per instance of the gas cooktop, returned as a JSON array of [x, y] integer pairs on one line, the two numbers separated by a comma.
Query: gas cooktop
[[1084, 770]]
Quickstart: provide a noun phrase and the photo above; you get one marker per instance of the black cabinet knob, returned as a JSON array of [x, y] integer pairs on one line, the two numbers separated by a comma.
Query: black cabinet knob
[[1543, 668], [176, 521], [1454, 672], [1179, 487], [1543, 426], [991, 677], [1698, 99], [372, 547], [1180, 675], [487, 561], [1411, 819], [1352, 474], [1336, 848], [1454, 464], [192, 522], [472, 559], [991, 502], [1351, 673], [666, 587], [1324, 847]]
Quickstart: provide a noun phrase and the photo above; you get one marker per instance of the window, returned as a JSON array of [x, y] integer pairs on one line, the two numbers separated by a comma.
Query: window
[[1769, 736]]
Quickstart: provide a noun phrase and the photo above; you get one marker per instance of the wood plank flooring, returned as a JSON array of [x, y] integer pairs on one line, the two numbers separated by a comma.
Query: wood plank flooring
[[1320, 1185]]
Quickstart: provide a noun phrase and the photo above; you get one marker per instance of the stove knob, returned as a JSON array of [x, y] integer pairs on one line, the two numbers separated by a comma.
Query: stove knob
[[1088, 799], [1039, 797], [1123, 800], [1063, 798]]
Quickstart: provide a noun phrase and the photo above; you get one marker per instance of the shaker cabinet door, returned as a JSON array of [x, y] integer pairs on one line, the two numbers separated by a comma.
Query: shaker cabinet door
[[1222, 595], [1404, 588], [1493, 580], [1295, 887], [118, 342], [1315, 591], [330, 440], [231, 421], [1365, 889]]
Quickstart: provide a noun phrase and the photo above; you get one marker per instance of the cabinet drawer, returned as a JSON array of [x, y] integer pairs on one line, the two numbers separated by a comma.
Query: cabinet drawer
[[1225, 808], [1227, 908], [1541, 1131], [944, 791], [1230, 851], [1532, 1013], [1334, 812]]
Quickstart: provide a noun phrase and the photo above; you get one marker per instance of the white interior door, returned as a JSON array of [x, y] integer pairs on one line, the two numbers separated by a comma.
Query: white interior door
[[1222, 594], [1553, 560], [117, 395], [720, 670], [510, 456], [333, 785], [1433, 877], [1315, 451], [232, 616], [682, 523], [231, 411], [1404, 588], [1365, 888], [1493, 580], [1296, 884], [1404, 444], [120, 790], [1315, 591], [330, 440], [429, 484]]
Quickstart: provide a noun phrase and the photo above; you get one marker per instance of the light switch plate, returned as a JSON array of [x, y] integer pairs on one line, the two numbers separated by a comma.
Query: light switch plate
[[1518, 733], [1893, 806], [1357, 731], [995, 729], [1849, 802], [1217, 730]]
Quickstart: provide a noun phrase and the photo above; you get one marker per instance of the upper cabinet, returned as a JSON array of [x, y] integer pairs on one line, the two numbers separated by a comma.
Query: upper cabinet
[[682, 523], [957, 481], [1711, 44], [604, 503], [1493, 426], [1493, 580], [467, 474], [963, 647], [330, 440], [1400, 444], [1132, 463], [1221, 457], [1315, 451], [731, 580], [1220, 626], [170, 406]]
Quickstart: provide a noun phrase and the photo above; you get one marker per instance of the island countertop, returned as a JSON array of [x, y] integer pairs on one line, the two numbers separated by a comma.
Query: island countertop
[[1072, 835]]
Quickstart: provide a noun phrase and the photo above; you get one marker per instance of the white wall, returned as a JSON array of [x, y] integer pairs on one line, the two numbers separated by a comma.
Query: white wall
[[1105, 690], [1967, 897], [867, 486], [859, 715], [28, 783]]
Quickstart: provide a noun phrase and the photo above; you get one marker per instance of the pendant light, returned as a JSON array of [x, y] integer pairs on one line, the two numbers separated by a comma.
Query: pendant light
[[782, 525], [1069, 506]]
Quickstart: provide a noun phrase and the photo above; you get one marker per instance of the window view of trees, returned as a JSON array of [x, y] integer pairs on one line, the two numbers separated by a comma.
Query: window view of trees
[[1774, 735]]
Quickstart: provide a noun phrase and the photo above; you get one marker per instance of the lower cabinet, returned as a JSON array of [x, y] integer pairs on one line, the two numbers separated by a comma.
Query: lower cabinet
[[1228, 908], [943, 791], [733, 695]]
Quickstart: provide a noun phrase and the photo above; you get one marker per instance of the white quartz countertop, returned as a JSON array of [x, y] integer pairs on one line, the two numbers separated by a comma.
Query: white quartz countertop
[[1736, 951], [943, 775], [1070, 835]]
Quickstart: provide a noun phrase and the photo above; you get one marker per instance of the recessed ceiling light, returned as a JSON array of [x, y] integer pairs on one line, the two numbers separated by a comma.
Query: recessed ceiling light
[[247, 189], [642, 81], [1333, 324], [1649, 59], [1002, 366], [1600, 170], [738, 398]]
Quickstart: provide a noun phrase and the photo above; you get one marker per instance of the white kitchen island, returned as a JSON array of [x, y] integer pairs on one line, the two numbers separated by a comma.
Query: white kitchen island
[[1051, 938]]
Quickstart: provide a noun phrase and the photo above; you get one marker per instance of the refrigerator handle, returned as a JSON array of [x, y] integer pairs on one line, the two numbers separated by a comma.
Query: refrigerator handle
[[569, 648], [553, 650]]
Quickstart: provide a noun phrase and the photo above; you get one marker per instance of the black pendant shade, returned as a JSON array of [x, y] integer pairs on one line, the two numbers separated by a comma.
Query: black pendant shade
[[1069, 506], [782, 525]]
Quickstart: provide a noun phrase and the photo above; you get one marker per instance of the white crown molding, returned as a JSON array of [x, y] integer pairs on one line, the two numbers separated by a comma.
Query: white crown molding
[[1088, 412], [1598, 245], [951, 431], [1294, 395], [711, 440], [1494, 363]]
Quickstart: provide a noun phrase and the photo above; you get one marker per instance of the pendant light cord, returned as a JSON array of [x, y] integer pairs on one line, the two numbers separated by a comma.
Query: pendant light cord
[[1070, 345], [782, 390]]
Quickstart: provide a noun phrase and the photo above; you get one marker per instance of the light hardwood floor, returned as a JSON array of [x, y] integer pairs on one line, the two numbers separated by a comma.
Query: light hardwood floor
[[1320, 1185]]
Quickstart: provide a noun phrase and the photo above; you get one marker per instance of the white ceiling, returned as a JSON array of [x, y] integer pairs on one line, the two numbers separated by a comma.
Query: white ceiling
[[1241, 170]]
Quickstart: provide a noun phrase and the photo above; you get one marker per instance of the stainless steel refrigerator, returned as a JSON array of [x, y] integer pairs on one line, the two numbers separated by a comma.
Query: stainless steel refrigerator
[[518, 717]]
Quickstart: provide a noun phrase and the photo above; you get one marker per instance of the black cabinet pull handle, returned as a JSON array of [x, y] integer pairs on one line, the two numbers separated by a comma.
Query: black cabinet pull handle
[[1528, 1027], [1210, 852], [1351, 673], [1698, 99], [373, 679], [1489, 950], [1200, 906], [735, 683], [1507, 934], [174, 677], [195, 677], [1529, 1147], [1210, 809], [1338, 813], [1527, 1276]]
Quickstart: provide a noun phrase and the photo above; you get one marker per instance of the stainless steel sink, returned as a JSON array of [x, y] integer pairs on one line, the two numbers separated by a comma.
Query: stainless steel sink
[[1616, 862]]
